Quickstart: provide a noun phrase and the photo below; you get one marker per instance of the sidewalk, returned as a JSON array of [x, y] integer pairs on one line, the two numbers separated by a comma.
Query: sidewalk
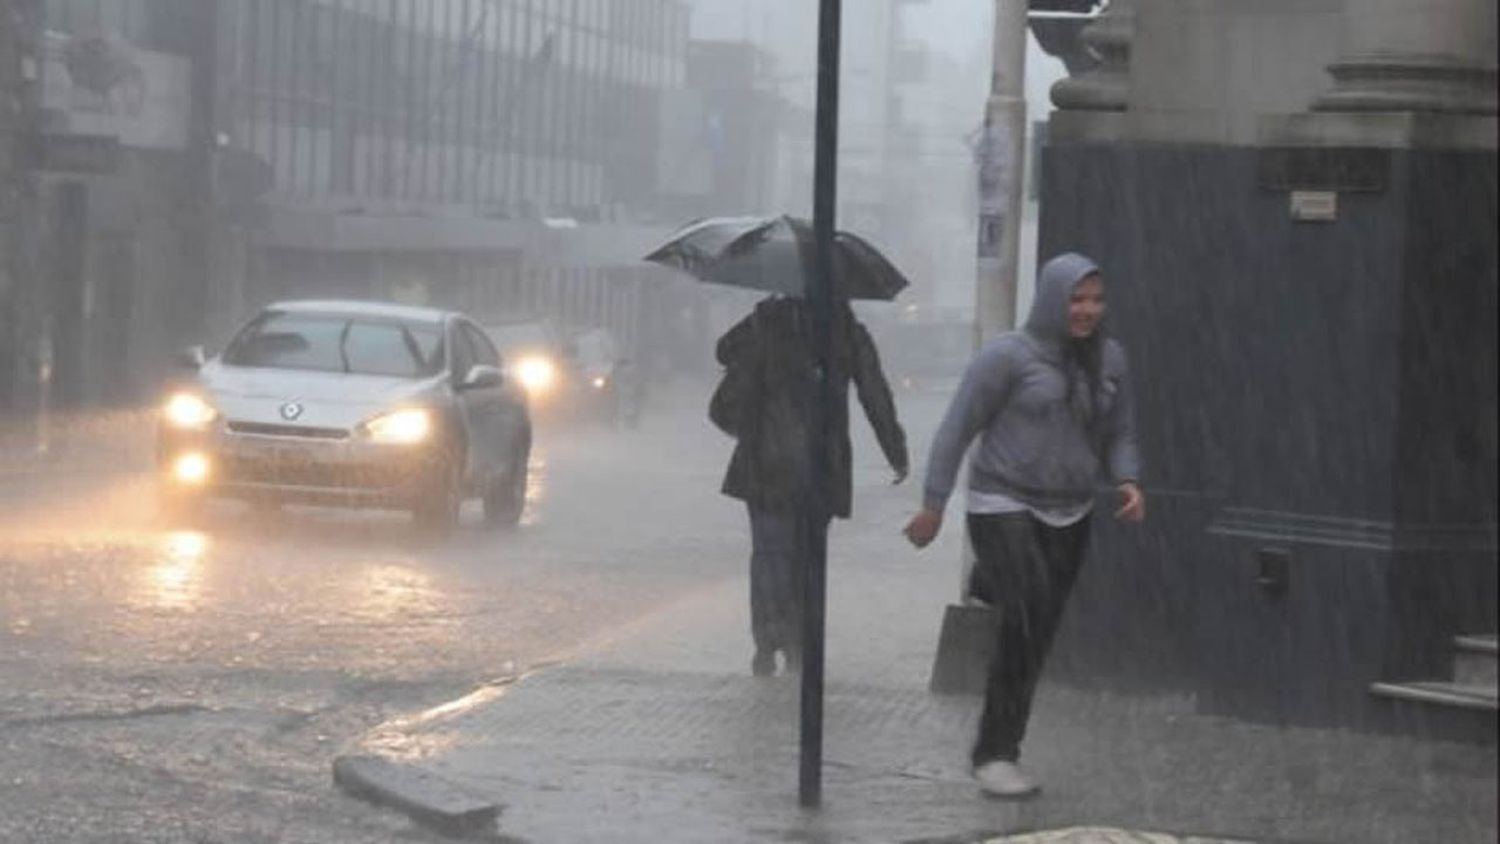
[[661, 735]]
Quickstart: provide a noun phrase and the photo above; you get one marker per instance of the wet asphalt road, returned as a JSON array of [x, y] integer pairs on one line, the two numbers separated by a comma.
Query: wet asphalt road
[[160, 685]]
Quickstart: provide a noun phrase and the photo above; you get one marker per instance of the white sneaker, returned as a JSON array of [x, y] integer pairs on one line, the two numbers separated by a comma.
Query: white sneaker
[[1004, 779]]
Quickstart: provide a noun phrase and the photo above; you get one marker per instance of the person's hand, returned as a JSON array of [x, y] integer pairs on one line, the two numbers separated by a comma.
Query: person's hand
[[899, 474], [923, 527], [1133, 508]]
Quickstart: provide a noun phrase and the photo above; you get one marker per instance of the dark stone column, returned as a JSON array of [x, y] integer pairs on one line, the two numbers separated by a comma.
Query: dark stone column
[[1316, 404], [1311, 323]]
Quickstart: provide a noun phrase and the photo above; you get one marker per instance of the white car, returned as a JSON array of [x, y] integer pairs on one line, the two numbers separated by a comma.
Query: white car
[[354, 404]]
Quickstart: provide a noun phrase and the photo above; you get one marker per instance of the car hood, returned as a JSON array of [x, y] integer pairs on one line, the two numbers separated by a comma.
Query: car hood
[[326, 399]]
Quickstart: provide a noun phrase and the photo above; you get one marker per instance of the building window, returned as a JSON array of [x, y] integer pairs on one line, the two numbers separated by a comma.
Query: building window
[[454, 101]]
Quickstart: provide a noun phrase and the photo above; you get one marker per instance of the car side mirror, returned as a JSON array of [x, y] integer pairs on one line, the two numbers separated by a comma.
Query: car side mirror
[[193, 357], [481, 377]]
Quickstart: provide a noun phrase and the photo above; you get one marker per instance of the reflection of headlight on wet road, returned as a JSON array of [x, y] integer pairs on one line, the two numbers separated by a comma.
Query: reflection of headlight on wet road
[[401, 427], [175, 580], [537, 374], [188, 411], [390, 591], [186, 546]]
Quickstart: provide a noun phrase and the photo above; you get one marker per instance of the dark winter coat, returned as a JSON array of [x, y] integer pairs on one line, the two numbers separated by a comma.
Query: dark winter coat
[[771, 466]]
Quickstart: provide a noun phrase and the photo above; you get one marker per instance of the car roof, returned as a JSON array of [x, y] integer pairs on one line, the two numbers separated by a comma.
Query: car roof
[[355, 307]]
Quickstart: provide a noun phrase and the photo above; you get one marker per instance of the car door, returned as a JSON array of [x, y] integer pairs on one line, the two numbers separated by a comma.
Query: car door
[[484, 408], [468, 404]]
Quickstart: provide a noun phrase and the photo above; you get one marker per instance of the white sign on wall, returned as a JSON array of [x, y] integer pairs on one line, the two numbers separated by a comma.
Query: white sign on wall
[[1314, 206]]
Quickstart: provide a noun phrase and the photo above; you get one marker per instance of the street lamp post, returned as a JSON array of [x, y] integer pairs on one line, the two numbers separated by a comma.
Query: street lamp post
[[815, 574]]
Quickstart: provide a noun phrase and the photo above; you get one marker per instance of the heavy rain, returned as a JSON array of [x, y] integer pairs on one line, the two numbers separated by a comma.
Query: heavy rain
[[961, 421]]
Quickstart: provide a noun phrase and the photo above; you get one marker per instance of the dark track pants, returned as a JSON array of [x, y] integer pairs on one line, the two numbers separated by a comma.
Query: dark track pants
[[1025, 569], [779, 542]]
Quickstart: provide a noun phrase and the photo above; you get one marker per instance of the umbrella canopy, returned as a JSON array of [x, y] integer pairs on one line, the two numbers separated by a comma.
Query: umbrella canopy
[[774, 254]]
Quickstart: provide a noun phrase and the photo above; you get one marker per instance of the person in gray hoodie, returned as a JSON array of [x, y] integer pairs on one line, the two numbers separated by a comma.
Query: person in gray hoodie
[[1051, 408]]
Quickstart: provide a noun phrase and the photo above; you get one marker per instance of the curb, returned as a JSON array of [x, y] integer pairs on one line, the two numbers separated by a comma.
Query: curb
[[1104, 835], [427, 798]]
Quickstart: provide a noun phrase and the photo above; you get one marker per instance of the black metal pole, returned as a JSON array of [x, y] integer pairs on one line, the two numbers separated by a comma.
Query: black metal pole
[[820, 297]]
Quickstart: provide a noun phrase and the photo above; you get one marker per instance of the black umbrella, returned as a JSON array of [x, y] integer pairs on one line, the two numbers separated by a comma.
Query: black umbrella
[[774, 254]]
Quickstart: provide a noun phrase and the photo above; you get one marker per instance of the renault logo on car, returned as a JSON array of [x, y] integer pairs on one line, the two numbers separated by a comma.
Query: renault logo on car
[[291, 410]]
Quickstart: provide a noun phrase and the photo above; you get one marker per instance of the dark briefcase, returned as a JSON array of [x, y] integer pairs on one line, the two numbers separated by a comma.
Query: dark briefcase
[[966, 645]]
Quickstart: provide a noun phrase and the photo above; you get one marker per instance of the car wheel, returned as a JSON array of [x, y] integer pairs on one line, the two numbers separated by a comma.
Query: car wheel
[[505, 495], [436, 512]]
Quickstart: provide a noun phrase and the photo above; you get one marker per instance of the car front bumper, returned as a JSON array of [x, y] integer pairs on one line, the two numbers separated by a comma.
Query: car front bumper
[[325, 469]]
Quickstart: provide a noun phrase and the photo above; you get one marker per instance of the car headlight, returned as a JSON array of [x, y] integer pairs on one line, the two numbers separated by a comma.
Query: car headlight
[[192, 468], [188, 411], [599, 382], [401, 427], [537, 374]]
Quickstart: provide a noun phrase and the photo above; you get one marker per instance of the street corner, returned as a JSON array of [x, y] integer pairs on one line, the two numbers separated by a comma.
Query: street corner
[[427, 798], [430, 733], [1104, 835], [388, 767]]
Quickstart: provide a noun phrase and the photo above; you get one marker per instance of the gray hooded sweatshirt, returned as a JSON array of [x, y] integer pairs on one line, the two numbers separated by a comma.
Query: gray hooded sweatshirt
[[1035, 444]]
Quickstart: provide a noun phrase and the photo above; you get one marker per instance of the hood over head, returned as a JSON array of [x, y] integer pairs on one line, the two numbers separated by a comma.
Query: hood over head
[[1055, 282]]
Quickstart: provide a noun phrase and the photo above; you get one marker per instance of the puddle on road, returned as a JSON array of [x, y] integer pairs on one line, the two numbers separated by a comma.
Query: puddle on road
[[413, 737], [388, 591], [175, 580]]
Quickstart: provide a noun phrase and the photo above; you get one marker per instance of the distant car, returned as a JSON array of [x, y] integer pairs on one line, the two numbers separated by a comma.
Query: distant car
[[566, 376], [350, 404], [612, 388], [535, 354]]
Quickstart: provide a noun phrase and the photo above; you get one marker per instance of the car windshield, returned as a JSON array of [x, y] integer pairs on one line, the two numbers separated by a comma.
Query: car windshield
[[335, 343]]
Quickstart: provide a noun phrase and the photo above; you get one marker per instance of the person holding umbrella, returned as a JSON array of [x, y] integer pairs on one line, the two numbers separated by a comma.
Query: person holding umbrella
[[767, 401], [1051, 407], [770, 469]]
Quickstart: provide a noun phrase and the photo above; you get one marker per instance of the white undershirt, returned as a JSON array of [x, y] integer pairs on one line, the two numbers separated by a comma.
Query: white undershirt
[[988, 503]]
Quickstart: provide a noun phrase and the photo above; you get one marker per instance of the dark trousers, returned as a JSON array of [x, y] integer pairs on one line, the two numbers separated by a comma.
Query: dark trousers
[[1024, 570], [779, 542]]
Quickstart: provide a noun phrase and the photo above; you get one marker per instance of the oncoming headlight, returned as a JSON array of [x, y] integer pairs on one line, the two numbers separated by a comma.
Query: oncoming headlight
[[536, 374], [188, 411], [401, 427], [192, 468]]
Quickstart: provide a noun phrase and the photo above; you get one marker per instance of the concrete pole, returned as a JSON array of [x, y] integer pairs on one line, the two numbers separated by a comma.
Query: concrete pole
[[1000, 156], [1000, 153]]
